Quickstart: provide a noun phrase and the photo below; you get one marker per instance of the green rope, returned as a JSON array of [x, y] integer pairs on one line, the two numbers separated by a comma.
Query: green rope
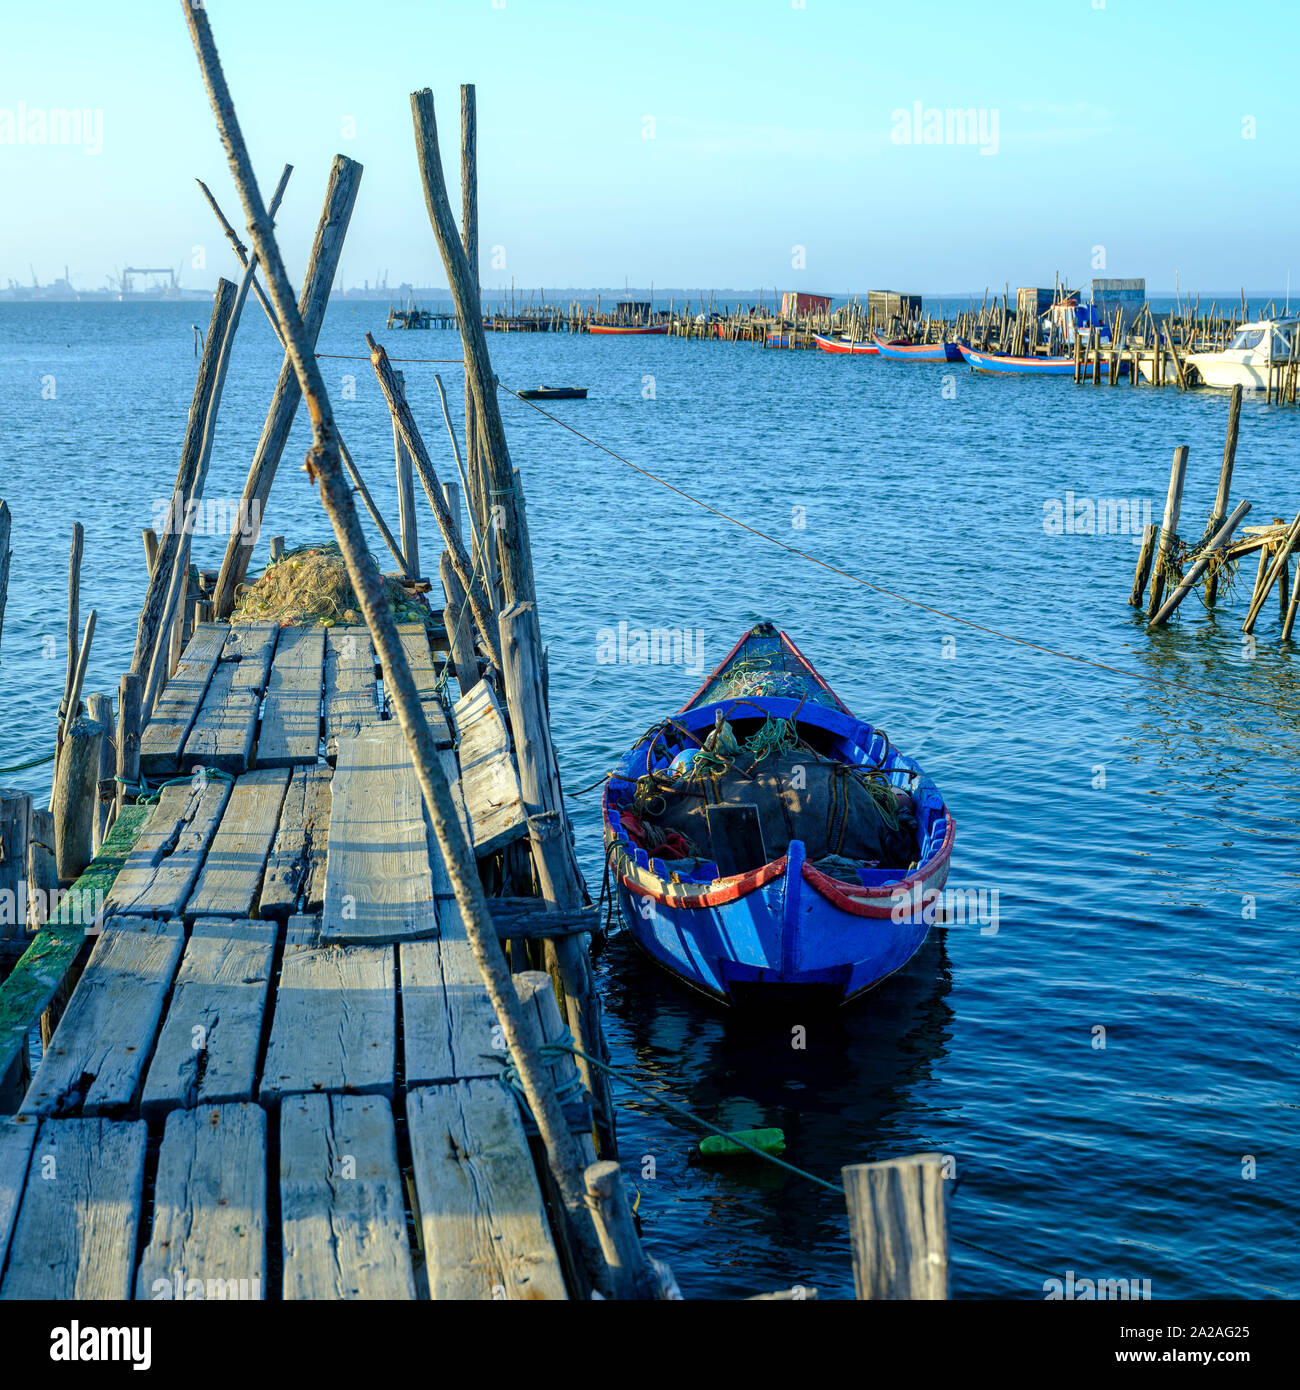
[[152, 794], [561, 1047], [774, 737], [22, 767]]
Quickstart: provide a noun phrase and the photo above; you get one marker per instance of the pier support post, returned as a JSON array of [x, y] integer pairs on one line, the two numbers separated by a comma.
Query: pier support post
[[1225, 485], [15, 833], [128, 739], [1284, 548], [76, 783], [42, 875], [1220, 538], [898, 1221], [406, 524], [100, 710], [1168, 529]]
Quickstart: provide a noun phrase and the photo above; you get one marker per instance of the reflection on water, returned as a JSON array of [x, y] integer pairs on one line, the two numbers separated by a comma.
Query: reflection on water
[[830, 1080]]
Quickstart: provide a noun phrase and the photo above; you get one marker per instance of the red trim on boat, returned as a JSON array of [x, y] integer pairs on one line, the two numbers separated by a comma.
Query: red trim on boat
[[816, 675], [876, 901], [727, 890]]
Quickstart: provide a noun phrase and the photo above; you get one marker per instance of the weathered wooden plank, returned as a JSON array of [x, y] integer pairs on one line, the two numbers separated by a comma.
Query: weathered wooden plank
[[76, 1230], [295, 871], [485, 1231], [174, 714], [207, 1050], [419, 657], [223, 731], [488, 777], [98, 1053], [25, 995], [448, 1023], [160, 871], [209, 1207], [335, 1023], [343, 1220], [290, 732], [378, 884], [351, 694], [17, 1135], [231, 877]]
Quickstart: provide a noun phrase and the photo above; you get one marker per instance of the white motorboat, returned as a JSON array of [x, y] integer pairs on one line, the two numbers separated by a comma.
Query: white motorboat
[[1245, 362]]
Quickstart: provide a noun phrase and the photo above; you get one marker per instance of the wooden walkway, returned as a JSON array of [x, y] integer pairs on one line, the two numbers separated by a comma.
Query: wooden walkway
[[278, 1074]]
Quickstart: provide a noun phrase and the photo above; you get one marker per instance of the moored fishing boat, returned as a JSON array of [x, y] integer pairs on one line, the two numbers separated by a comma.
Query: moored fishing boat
[[844, 345], [1008, 364], [917, 352], [628, 329], [764, 839]]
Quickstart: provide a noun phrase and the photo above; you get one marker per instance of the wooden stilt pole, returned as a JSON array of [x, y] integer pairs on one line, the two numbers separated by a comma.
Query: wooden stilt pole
[[1168, 529], [1216, 543], [898, 1220], [1225, 486], [1284, 549]]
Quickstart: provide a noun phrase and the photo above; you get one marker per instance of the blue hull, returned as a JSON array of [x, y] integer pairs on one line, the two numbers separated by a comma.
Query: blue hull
[[1003, 364], [742, 951]]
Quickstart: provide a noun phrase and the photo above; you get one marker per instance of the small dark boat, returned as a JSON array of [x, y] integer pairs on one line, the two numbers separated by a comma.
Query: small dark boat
[[766, 841], [555, 393]]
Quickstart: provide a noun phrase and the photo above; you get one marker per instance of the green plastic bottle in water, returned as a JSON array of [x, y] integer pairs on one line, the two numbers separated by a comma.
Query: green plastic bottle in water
[[770, 1141]]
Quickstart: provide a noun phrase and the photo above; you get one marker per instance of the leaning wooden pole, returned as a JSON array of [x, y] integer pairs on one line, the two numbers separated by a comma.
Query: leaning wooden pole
[[255, 521], [1225, 486], [516, 564], [149, 626], [475, 499], [1220, 538], [324, 465], [322, 265], [1168, 530], [405, 424]]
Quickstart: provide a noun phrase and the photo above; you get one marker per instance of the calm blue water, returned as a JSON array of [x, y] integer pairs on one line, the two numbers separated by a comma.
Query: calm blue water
[[1142, 840]]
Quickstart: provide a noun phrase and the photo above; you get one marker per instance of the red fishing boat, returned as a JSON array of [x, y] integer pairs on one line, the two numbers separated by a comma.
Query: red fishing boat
[[844, 345], [642, 329]]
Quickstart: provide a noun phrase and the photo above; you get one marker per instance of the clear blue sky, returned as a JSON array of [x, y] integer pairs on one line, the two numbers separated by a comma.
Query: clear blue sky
[[774, 127]]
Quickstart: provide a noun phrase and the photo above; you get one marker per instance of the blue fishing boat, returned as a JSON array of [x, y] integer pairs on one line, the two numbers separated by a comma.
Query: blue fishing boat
[[765, 841], [917, 352], [1008, 364]]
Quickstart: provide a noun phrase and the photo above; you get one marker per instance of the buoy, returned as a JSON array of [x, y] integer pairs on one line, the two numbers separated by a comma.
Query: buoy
[[770, 1141]]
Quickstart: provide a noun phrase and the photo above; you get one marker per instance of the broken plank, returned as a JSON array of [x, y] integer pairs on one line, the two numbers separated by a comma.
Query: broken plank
[[335, 1023], [174, 714], [378, 884], [99, 1051], [449, 1028], [489, 780], [351, 695], [161, 869], [295, 870], [209, 1207], [17, 1135], [290, 732], [76, 1230], [232, 870], [485, 1231], [208, 1048], [341, 1208]]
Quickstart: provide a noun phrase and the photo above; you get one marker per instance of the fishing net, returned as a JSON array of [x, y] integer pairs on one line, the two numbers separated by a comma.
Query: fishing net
[[310, 585], [834, 808], [766, 668]]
